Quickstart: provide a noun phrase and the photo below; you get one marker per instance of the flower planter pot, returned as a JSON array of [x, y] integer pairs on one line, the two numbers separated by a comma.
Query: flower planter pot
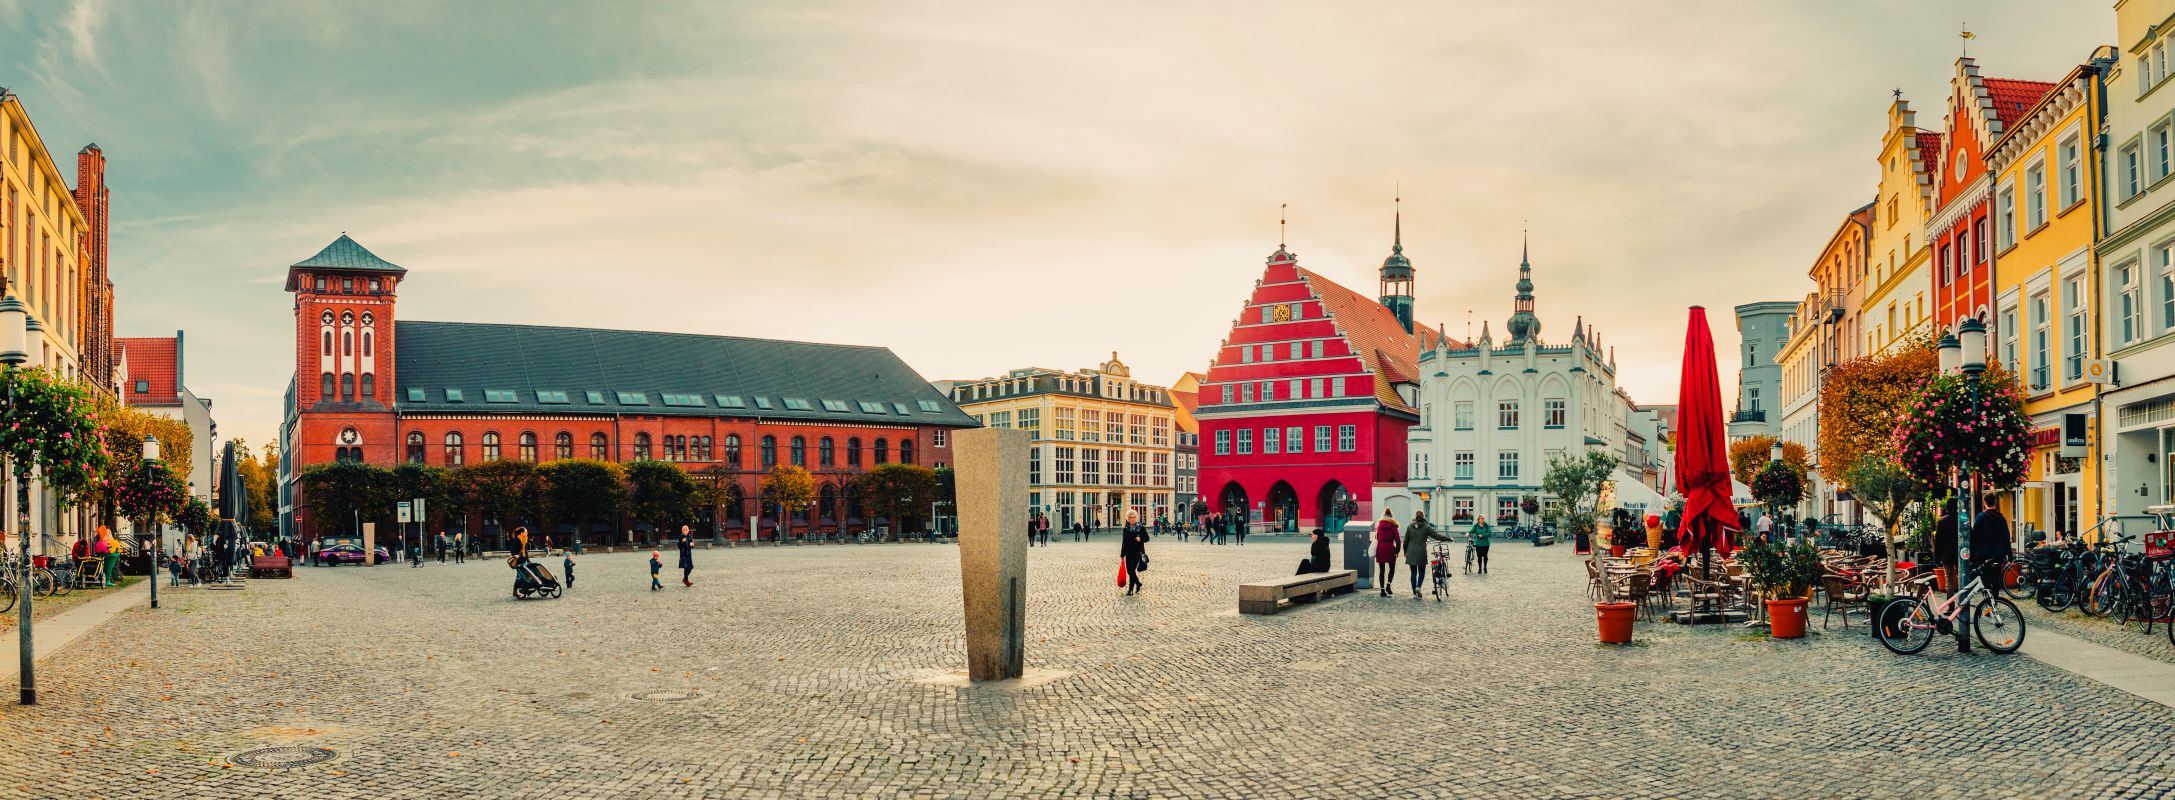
[[1615, 621], [2009, 575], [1940, 578], [1786, 618], [1616, 551]]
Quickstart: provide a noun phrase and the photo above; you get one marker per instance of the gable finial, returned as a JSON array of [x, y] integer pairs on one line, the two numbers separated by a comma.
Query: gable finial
[[1967, 36], [1397, 218], [1280, 215]]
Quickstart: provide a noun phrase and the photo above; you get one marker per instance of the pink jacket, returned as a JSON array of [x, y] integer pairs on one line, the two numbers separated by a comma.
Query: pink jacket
[[1385, 540]]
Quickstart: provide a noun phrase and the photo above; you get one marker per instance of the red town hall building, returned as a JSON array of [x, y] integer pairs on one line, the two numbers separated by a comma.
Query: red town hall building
[[1308, 400], [372, 389]]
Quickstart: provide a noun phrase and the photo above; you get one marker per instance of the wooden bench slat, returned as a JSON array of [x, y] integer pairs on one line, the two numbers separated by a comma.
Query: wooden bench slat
[[1265, 597]]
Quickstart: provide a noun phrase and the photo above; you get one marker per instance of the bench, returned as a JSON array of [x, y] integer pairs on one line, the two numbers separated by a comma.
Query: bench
[[1265, 597], [268, 567]]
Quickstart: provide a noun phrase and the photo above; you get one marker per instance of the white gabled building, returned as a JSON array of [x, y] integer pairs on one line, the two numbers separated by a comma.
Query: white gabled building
[[1494, 414]]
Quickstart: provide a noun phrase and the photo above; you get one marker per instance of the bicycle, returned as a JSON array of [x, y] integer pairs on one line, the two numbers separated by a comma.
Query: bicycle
[[1472, 557], [1908, 624], [1439, 567], [2105, 589]]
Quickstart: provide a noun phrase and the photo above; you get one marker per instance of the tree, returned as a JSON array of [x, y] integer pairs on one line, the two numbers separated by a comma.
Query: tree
[[122, 430], [1778, 486], [1750, 455], [345, 493], [660, 493], [194, 517], [791, 488], [947, 491], [260, 478], [582, 492], [1862, 399], [1576, 481], [1890, 493], [151, 495], [715, 489], [506, 492], [897, 489]]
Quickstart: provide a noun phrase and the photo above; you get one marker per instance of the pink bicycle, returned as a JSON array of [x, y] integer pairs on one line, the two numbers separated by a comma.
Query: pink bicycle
[[1908, 624]]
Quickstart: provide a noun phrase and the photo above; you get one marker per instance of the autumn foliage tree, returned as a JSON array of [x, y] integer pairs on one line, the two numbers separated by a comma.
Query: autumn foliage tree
[[1861, 401], [1748, 456]]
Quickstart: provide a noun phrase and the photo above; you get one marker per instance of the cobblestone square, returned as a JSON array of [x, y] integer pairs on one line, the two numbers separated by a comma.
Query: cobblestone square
[[803, 672]]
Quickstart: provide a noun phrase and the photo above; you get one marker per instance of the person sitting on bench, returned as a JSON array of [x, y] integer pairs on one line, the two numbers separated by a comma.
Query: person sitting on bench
[[1318, 561]]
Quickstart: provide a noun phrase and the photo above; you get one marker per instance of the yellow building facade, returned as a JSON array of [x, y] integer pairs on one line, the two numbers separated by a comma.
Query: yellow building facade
[[1895, 307], [42, 232], [1103, 442], [2046, 324]]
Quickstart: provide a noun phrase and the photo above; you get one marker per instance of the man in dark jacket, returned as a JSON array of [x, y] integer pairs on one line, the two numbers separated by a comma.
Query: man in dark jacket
[[1990, 546]]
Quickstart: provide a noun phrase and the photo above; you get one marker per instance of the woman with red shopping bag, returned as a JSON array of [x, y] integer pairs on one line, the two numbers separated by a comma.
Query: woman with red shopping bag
[[1132, 553]]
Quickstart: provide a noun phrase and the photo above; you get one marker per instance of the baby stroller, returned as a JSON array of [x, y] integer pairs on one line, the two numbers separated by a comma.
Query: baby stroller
[[530, 578]]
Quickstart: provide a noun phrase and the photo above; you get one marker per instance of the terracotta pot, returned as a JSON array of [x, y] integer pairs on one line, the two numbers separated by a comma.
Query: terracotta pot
[[1616, 621], [2010, 574], [1940, 578], [1786, 618], [1616, 551]]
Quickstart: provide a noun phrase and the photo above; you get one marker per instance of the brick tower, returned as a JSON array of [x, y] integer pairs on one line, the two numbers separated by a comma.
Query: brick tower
[[344, 298]]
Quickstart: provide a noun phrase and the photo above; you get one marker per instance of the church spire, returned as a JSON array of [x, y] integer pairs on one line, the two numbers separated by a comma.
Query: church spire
[[1523, 324], [1397, 270]]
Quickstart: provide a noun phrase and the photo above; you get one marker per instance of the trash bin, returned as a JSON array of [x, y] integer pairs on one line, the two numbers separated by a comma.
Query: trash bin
[[1358, 539]]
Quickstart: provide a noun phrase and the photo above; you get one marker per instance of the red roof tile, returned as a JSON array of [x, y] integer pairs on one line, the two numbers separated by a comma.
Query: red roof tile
[[2014, 97], [1375, 334], [153, 363], [1929, 151]]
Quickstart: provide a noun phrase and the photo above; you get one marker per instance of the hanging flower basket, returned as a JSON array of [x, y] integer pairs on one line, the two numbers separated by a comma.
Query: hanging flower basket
[[1778, 486], [1947, 427], [53, 428]]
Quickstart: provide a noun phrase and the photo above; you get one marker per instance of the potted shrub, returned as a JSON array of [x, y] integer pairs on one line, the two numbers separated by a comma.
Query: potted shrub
[[1787, 573]]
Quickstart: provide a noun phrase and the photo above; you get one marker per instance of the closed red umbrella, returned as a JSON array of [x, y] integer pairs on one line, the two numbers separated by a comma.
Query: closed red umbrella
[[1702, 448]]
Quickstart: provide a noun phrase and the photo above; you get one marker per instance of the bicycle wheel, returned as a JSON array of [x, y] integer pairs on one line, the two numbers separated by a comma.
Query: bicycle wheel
[[2025, 582], [41, 583], [1906, 627], [2056, 596], [2000, 625], [7, 595], [61, 583], [2103, 595]]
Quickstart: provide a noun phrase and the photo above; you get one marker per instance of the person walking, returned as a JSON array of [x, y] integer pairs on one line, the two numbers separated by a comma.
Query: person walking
[[1042, 528], [460, 548], [568, 565], [1386, 544], [1133, 551], [1479, 539], [1317, 559], [687, 556], [656, 565], [441, 547], [1416, 536], [1991, 548], [1238, 531]]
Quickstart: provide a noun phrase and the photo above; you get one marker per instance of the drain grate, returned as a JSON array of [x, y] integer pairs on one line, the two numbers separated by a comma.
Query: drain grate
[[667, 695], [283, 757]]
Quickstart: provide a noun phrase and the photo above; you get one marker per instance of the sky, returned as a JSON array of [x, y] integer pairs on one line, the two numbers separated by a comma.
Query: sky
[[982, 186]]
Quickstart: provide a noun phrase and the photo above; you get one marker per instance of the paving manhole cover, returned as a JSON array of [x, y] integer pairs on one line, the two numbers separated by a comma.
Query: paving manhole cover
[[667, 695], [283, 757]]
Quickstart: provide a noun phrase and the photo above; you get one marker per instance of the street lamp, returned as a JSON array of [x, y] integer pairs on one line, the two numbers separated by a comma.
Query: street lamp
[[1971, 340], [1951, 355], [158, 534], [14, 350]]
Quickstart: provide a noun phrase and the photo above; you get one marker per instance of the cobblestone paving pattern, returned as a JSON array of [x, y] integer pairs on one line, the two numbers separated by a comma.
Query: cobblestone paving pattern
[[2101, 631], [434, 682]]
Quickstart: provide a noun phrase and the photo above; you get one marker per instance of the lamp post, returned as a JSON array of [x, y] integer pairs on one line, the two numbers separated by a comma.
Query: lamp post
[[14, 350], [1774, 456], [158, 534], [1971, 339]]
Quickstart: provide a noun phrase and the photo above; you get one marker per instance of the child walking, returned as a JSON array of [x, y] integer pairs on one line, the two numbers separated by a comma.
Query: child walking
[[656, 565], [569, 564]]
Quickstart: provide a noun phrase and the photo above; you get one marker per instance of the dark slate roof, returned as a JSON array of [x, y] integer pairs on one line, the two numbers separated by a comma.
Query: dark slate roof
[[476, 358], [343, 255]]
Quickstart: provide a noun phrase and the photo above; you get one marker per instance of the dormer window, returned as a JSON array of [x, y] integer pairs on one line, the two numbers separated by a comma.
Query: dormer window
[[320, 283], [347, 284]]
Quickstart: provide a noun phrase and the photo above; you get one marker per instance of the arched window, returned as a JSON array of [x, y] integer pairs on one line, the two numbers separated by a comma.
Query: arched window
[[415, 447], [366, 341], [327, 349], [454, 457], [370, 386], [563, 445], [600, 448], [528, 446], [641, 447], [800, 451], [326, 392], [883, 452], [824, 452], [347, 343], [906, 451], [732, 450], [490, 445], [347, 386], [770, 452], [702, 448], [853, 452]]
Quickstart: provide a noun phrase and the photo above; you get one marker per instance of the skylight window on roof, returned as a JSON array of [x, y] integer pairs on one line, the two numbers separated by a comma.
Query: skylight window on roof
[[871, 408], [551, 396], [730, 401], [453, 395], [929, 406], [762, 403], [500, 396], [683, 400], [835, 405], [633, 398], [594, 398], [415, 395], [899, 408], [797, 404]]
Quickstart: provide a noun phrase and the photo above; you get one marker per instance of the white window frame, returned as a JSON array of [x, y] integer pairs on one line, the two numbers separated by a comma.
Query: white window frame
[[1462, 415], [2128, 303], [1506, 465], [2076, 333], [1506, 415], [2042, 342], [2132, 162], [2006, 208], [2035, 196], [2069, 157], [1272, 441], [1223, 442], [1462, 465], [1347, 438]]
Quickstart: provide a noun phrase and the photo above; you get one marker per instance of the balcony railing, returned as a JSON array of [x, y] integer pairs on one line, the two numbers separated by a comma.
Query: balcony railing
[[1748, 416]]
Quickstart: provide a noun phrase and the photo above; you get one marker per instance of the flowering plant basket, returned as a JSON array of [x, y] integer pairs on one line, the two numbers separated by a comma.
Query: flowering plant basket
[[1778, 486], [1949, 426], [54, 426]]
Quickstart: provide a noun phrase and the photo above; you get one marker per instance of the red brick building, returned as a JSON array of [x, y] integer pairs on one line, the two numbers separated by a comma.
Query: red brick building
[[373, 389], [100, 360], [1310, 396], [1960, 232]]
